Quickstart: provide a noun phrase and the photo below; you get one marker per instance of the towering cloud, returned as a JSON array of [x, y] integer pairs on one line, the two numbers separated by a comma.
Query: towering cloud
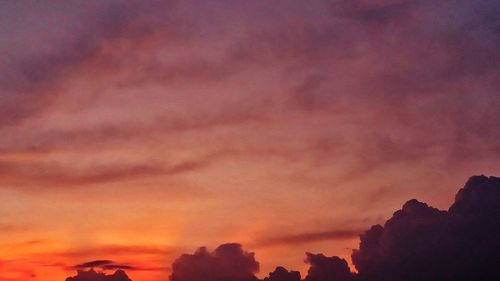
[[422, 243], [226, 263]]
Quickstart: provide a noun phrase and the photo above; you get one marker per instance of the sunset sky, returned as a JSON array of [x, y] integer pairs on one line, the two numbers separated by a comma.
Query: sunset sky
[[135, 131]]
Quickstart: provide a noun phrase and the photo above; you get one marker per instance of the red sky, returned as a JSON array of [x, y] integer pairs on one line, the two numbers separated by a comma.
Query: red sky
[[135, 131]]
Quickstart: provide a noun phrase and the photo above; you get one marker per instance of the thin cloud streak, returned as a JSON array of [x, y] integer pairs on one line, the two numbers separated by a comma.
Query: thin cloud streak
[[111, 250], [304, 238], [111, 265], [58, 176]]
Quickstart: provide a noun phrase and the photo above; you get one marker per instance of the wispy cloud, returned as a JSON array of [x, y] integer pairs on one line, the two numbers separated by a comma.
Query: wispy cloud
[[307, 237]]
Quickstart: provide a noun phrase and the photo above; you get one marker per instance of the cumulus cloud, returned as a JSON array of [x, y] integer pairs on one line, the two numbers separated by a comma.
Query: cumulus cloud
[[92, 275], [282, 274], [417, 243], [228, 262], [327, 268], [423, 243]]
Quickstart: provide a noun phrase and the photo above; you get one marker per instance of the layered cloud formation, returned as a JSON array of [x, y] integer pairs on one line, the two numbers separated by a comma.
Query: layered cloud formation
[[419, 242], [172, 109]]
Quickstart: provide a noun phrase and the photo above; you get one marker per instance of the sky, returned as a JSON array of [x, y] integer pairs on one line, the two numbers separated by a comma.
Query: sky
[[135, 131]]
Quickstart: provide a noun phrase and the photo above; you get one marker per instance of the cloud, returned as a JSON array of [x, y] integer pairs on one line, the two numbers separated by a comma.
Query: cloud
[[41, 173], [103, 264], [133, 255], [109, 250], [282, 274], [408, 64], [116, 38], [228, 262], [423, 243], [122, 266], [111, 265], [7, 227], [92, 275], [31, 83], [417, 243], [376, 73], [96, 263], [355, 58], [308, 237], [327, 268]]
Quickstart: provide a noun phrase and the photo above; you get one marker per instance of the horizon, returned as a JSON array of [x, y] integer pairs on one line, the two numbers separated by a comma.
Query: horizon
[[133, 132], [478, 199]]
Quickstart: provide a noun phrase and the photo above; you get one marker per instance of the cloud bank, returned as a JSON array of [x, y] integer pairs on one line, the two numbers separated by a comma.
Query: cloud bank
[[417, 243], [423, 243]]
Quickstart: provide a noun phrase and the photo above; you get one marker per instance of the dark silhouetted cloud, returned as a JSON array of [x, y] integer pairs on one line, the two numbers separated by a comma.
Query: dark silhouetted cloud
[[228, 262], [282, 274], [126, 253], [423, 243], [96, 263], [121, 266], [92, 275], [417, 243], [327, 268], [103, 264]]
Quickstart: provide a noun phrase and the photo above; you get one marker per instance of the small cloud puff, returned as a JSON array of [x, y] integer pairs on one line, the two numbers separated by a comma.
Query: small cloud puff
[[228, 262], [92, 275]]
